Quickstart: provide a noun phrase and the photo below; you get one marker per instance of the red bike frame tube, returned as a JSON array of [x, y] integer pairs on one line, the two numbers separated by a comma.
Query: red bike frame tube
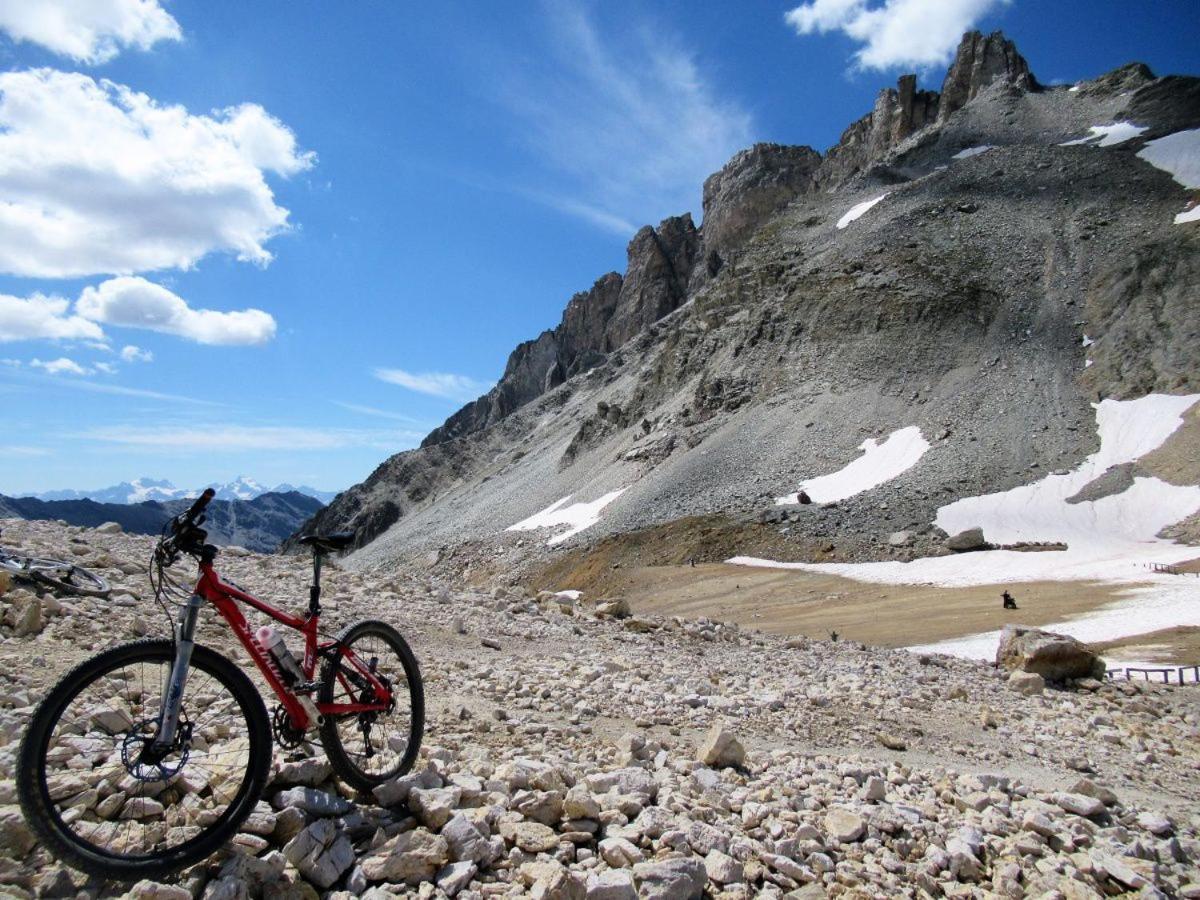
[[223, 597]]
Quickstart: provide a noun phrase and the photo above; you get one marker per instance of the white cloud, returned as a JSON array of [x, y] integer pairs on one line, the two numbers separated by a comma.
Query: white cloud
[[912, 33], [99, 179], [218, 436], [130, 353], [625, 125], [436, 384], [106, 368], [42, 318], [89, 31], [134, 302], [60, 366]]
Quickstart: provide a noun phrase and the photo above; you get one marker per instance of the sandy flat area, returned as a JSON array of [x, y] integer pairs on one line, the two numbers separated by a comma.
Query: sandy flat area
[[791, 602]]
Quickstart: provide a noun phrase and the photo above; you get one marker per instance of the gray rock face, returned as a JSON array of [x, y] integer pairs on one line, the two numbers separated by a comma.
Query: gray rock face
[[897, 114], [1056, 657], [753, 185], [979, 62]]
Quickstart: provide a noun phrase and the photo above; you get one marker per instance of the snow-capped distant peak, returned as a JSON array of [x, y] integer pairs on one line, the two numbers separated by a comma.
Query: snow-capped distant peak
[[241, 488]]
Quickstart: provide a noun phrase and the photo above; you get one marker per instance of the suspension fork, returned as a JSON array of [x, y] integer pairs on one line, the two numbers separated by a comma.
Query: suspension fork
[[172, 700]]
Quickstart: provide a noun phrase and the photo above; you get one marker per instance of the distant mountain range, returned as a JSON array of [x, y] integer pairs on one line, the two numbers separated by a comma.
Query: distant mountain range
[[259, 523], [142, 490]]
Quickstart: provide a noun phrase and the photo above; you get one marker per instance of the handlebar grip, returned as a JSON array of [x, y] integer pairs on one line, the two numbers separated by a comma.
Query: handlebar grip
[[201, 502]]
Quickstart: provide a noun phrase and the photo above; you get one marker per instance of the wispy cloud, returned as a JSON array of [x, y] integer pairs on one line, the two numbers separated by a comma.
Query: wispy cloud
[[625, 123], [377, 413], [436, 384], [20, 451], [218, 436], [913, 33]]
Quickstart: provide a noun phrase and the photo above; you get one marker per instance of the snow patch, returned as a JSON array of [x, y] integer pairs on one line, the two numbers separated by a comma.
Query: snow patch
[[1177, 153], [570, 595], [879, 463], [972, 151], [1087, 341], [577, 517], [857, 211], [1108, 135], [1074, 89], [1191, 215], [1112, 539]]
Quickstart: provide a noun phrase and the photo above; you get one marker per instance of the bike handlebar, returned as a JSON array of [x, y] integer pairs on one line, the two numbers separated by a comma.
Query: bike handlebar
[[201, 502]]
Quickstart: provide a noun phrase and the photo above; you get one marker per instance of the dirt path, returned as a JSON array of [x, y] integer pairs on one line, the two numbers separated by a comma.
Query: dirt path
[[786, 602]]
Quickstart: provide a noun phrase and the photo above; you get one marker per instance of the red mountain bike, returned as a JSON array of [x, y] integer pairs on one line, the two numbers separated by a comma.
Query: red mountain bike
[[147, 757]]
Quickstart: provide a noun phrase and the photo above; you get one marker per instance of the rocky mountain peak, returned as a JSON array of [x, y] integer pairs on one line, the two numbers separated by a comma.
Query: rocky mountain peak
[[755, 183], [979, 62]]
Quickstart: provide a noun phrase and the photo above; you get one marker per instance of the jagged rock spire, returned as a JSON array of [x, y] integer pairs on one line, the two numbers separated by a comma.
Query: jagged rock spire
[[980, 61]]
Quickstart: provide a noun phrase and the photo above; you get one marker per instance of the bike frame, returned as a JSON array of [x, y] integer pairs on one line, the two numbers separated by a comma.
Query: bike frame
[[225, 597]]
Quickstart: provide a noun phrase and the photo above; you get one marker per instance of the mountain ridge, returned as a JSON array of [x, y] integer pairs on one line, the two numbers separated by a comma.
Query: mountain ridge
[[971, 287], [258, 524]]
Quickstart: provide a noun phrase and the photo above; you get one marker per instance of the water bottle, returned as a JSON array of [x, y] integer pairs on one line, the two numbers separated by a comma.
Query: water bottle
[[293, 674]]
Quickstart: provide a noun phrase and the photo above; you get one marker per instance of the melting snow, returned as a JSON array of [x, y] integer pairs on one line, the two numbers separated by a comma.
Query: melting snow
[[1191, 215], [577, 517], [972, 151], [1107, 135], [857, 211], [878, 464], [1111, 539], [1177, 153]]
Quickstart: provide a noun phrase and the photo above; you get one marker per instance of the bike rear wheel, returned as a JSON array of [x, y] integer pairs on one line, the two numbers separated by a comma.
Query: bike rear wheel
[[100, 798], [69, 578], [367, 749]]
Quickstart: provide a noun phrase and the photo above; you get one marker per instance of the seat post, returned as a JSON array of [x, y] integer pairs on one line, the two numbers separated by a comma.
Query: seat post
[[314, 592]]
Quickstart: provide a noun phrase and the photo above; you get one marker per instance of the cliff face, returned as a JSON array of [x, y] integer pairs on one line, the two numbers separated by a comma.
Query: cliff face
[[596, 322], [772, 341]]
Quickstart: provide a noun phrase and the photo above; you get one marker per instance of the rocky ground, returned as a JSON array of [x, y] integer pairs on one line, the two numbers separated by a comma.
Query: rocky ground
[[572, 755]]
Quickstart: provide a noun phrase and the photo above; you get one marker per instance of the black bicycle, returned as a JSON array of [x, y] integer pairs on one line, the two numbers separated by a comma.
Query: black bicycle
[[55, 573]]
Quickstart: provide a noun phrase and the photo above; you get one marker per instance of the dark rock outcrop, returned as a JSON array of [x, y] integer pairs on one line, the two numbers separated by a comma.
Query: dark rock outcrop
[[753, 185], [979, 62], [259, 524]]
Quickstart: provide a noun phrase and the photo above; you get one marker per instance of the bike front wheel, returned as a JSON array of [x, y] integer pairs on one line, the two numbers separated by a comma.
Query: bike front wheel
[[104, 799], [368, 748]]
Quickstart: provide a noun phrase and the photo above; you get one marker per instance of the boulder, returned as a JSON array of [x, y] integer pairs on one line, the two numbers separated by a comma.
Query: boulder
[[901, 538], [109, 528], [615, 608], [411, 857], [844, 825], [321, 852], [670, 879], [966, 541], [1056, 657], [721, 749], [1028, 683]]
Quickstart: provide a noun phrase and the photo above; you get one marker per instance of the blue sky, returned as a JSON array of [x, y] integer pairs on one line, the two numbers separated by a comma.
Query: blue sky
[[286, 240]]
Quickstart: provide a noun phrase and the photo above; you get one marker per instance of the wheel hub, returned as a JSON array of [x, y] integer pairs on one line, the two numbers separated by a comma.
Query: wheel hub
[[146, 760]]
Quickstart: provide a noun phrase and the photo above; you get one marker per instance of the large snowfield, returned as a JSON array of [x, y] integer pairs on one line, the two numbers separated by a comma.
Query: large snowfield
[[880, 462], [1112, 539]]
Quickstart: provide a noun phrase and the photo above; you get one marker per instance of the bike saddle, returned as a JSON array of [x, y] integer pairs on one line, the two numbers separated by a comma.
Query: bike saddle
[[329, 543]]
